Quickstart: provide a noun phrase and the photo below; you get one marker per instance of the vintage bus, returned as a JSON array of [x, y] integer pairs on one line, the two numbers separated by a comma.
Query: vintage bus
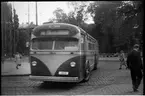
[[61, 52]]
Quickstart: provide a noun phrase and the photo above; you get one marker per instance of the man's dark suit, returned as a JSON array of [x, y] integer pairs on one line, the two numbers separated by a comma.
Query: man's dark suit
[[134, 63]]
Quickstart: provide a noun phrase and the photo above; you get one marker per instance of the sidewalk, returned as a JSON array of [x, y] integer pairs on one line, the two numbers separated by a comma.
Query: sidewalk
[[9, 68]]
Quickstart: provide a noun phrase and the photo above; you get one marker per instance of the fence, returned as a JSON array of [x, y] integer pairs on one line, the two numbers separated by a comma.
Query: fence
[[113, 54], [110, 55]]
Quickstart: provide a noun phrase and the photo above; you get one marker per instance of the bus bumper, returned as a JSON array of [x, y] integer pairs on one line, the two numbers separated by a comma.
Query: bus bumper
[[54, 78]]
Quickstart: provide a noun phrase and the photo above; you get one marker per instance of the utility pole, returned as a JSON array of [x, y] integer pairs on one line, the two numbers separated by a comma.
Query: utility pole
[[2, 41], [14, 50], [36, 15], [5, 37], [27, 49], [28, 13], [2, 25]]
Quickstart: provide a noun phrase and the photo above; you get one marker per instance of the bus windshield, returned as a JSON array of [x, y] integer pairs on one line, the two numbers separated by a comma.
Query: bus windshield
[[68, 44]]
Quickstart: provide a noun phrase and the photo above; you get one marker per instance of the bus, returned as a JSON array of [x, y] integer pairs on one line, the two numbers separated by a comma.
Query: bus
[[61, 52]]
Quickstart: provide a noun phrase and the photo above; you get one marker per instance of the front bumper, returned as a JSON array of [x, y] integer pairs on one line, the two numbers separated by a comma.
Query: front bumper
[[54, 78]]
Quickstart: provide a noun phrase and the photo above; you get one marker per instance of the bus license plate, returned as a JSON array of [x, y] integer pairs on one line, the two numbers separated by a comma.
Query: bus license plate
[[63, 73]]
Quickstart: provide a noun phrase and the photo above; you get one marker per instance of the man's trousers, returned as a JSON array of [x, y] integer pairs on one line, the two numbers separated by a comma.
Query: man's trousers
[[136, 76]]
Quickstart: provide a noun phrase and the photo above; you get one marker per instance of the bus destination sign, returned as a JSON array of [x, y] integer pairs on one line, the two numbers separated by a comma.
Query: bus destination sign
[[54, 32]]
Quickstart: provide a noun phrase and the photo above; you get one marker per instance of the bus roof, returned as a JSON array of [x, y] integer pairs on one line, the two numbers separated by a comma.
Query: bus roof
[[64, 26], [45, 26], [57, 26]]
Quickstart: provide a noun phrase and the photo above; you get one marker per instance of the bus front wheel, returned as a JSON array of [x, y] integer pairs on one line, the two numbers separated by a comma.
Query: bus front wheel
[[87, 73], [95, 63]]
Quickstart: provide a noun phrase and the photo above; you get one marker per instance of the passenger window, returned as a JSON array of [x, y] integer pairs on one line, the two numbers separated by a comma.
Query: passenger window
[[82, 41], [91, 46]]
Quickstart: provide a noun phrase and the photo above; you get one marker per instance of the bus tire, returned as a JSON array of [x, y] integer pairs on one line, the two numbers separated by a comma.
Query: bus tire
[[95, 65], [87, 73]]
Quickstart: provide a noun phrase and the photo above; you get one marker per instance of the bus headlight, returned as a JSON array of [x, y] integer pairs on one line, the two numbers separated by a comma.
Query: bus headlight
[[34, 63], [72, 64]]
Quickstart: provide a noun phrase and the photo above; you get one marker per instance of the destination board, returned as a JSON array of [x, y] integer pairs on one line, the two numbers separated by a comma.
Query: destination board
[[54, 32]]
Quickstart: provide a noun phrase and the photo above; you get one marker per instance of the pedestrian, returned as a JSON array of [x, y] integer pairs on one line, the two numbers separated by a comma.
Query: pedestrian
[[18, 57], [2, 60], [122, 59], [134, 63]]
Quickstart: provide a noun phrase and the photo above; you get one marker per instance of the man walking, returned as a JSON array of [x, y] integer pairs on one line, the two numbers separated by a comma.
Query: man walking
[[134, 63]]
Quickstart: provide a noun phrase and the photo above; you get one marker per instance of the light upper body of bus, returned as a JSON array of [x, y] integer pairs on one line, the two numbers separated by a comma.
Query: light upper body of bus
[[58, 53]]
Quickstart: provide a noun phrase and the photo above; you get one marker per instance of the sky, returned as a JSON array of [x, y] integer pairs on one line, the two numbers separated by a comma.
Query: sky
[[44, 9]]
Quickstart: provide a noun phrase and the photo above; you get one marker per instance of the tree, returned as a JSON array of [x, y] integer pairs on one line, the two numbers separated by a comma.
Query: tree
[[76, 17], [131, 27], [115, 21], [60, 16], [24, 36], [15, 32], [79, 12], [104, 15], [6, 25], [9, 26]]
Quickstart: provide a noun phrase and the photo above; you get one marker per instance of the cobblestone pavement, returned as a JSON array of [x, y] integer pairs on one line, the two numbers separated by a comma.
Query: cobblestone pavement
[[106, 80]]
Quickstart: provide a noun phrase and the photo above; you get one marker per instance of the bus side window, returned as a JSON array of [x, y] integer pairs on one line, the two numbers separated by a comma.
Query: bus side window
[[82, 46], [89, 46], [82, 41]]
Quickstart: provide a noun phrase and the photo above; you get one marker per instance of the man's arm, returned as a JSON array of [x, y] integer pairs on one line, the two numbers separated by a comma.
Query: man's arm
[[128, 61], [140, 61]]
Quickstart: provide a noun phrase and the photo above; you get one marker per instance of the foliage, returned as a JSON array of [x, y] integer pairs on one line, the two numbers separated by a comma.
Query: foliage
[[79, 11], [6, 21], [116, 20], [24, 36], [132, 24], [104, 16], [60, 16], [76, 17], [9, 25]]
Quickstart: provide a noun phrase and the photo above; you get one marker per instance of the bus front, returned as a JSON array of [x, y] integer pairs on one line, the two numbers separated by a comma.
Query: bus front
[[54, 54]]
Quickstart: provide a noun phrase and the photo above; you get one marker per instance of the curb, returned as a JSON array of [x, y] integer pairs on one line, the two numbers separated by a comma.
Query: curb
[[15, 75], [110, 60]]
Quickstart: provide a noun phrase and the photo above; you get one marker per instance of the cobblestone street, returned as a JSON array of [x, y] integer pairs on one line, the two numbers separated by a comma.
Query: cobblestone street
[[107, 80]]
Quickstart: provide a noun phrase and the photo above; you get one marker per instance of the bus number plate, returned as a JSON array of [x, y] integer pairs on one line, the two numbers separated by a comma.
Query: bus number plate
[[63, 73]]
